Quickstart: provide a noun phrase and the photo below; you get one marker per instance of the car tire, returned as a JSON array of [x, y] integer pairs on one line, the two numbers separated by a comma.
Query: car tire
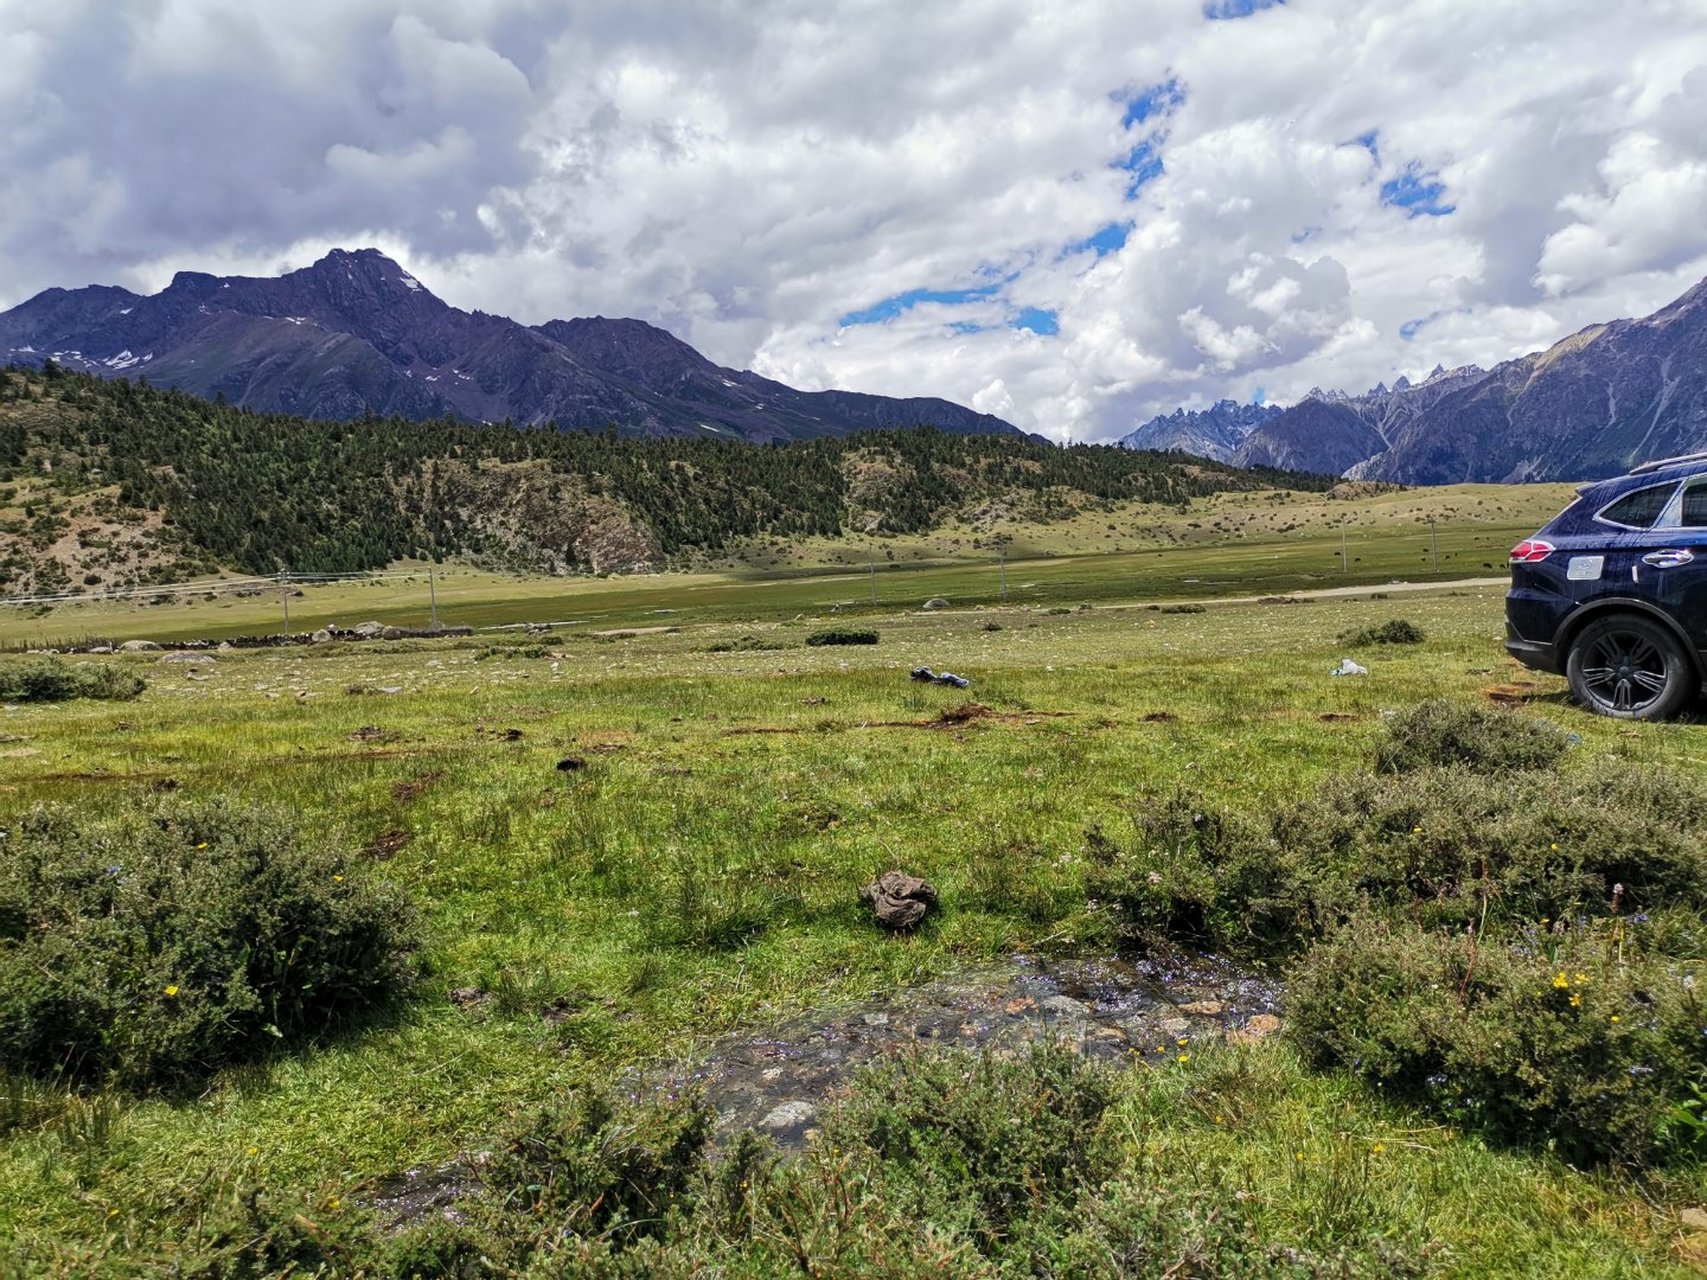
[[1630, 668]]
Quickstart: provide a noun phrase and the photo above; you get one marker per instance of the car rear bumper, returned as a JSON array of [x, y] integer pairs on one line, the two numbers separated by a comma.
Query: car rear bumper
[[1537, 654]]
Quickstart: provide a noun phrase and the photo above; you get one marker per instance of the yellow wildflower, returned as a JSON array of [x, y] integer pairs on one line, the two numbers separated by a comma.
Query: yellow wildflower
[[202, 845], [1378, 1148], [1581, 979], [172, 990], [338, 879], [1616, 1018], [1185, 1057], [1560, 981]]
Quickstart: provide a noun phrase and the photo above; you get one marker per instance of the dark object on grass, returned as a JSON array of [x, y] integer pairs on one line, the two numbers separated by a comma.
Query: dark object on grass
[[924, 675], [1182, 608], [898, 900], [1393, 631], [835, 635], [569, 764]]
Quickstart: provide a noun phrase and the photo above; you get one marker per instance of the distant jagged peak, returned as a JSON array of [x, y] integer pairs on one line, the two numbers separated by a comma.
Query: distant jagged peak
[[1403, 384], [1326, 397]]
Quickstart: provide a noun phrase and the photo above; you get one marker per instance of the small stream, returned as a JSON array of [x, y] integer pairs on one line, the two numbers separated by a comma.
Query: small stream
[[776, 1080]]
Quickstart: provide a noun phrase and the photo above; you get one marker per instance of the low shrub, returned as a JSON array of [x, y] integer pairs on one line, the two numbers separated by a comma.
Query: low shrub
[[1393, 631], [1183, 608], [1441, 732], [979, 1144], [1573, 1034], [590, 1169], [1445, 847], [50, 680], [150, 948], [836, 635]]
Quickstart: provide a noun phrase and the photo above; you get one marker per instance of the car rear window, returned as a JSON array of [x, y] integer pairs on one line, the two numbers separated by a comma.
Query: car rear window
[[1694, 515], [1638, 510]]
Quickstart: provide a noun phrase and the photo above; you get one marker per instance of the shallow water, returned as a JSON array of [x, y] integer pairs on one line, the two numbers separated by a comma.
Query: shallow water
[[776, 1080]]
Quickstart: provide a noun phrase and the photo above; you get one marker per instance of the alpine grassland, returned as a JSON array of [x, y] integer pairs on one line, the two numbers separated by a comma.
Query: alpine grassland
[[295, 926]]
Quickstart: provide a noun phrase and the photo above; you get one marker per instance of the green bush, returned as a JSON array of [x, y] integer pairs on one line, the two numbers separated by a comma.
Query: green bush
[[833, 635], [50, 680], [1573, 1034], [590, 1169], [1441, 731], [1183, 608], [152, 947], [978, 1143], [1445, 847], [1393, 631], [746, 644]]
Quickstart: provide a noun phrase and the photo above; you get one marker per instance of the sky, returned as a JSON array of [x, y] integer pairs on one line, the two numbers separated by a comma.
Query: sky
[[1072, 215]]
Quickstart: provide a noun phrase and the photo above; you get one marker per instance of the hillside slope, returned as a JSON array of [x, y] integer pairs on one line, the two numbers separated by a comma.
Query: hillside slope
[[107, 483]]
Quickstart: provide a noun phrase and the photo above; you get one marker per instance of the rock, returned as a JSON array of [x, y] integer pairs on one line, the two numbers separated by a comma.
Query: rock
[[190, 659], [1695, 1218], [1175, 1026], [569, 764], [1203, 1008], [1260, 1027], [789, 1115], [467, 997], [898, 900], [137, 646], [321, 636], [225, 646], [102, 648], [390, 633], [936, 602], [369, 630], [1065, 1007]]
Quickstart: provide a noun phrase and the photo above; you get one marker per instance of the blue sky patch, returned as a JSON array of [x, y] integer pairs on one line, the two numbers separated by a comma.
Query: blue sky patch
[[1107, 240], [1220, 10], [1417, 192], [1144, 163], [891, 307], [1045, 323], [1158, 100]]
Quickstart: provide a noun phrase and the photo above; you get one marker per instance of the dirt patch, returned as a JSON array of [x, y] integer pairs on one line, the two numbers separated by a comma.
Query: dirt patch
[[386, 844], [1160, 717], [1513, 694], [1334, 717], [373, 733], [414, 788], [628, 633], [965, 713]]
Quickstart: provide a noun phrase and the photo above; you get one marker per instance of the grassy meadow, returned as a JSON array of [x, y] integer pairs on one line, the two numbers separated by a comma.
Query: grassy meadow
[[1228, 545], [694, 873]]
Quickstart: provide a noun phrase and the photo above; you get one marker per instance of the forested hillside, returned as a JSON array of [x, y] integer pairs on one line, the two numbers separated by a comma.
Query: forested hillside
[[106, 483]]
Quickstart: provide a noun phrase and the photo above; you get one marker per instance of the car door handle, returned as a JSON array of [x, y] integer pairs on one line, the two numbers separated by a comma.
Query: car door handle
[[1670, 558]]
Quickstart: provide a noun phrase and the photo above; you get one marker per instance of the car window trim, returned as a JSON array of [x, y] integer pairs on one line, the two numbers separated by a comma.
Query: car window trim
[[1658, 521]]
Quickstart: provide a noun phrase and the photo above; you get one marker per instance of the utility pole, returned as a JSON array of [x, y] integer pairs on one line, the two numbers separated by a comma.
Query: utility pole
[[1433, 544], [284, 598], [433, 596]]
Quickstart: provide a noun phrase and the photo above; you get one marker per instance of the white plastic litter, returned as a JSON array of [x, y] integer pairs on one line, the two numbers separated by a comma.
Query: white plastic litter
[[1349, 668]]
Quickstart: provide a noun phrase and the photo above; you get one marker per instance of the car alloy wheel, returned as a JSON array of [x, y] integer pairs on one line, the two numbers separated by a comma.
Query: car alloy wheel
[[1629, 668]]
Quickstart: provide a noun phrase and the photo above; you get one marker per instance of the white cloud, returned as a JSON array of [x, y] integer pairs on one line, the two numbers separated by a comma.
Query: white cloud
[[748, 173]]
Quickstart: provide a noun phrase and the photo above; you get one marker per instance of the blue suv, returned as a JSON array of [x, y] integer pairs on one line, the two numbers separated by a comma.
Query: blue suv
[[1612, 593]]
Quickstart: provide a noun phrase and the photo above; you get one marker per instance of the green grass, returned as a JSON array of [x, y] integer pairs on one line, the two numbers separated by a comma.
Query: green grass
[[1232, 545], [700, 873]]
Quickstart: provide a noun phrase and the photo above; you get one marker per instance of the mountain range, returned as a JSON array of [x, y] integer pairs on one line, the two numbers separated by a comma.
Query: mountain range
[[1592, 405], [356, 334]]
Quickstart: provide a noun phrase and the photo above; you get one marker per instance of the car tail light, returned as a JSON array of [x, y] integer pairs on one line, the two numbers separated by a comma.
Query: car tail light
[[1531, 551]]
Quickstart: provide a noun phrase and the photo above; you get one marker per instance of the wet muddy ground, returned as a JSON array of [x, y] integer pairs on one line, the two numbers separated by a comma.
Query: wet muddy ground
[[776, 1081]]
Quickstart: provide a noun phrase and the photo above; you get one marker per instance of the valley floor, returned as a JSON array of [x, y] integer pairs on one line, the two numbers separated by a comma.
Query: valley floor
[[694, 876]]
